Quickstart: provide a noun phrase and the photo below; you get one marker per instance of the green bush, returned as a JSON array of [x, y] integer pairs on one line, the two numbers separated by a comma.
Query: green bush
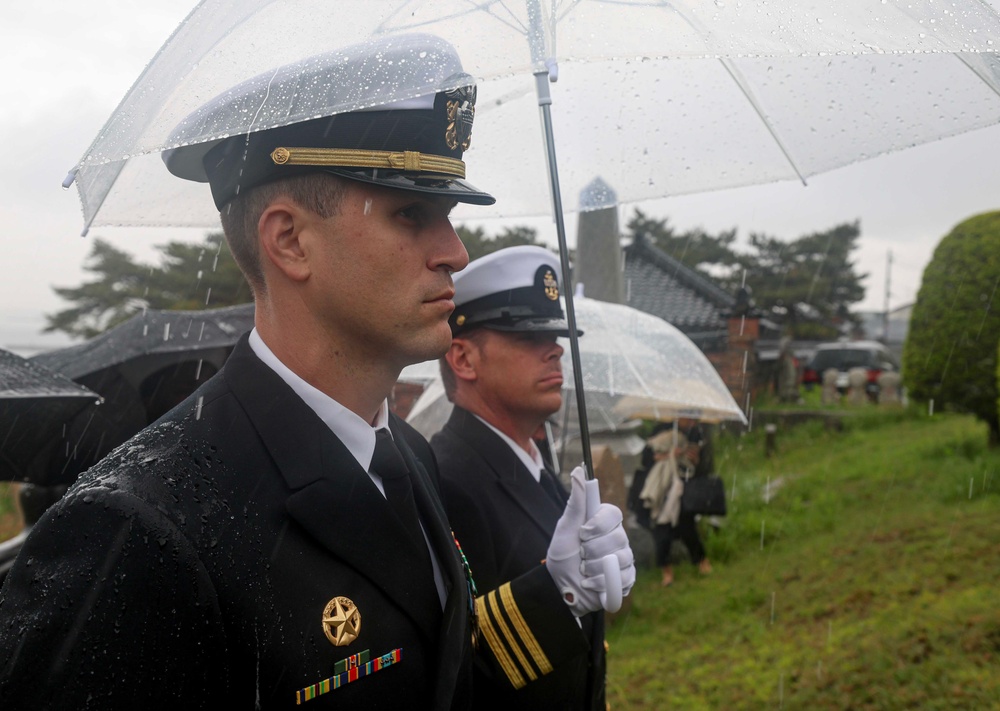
[[950, 354]]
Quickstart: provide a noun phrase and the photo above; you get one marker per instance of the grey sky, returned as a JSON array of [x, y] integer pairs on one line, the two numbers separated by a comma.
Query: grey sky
[[70, 63]]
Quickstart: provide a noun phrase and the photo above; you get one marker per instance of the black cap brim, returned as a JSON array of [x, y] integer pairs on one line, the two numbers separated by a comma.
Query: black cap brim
[[455, 188], [558, 326]]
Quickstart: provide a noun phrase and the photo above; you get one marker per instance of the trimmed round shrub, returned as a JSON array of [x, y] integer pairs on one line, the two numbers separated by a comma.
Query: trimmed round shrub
[[951, 350]]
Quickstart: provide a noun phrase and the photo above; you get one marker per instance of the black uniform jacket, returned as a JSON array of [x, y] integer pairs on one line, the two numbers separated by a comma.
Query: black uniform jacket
[[505, 520], [191, 569]]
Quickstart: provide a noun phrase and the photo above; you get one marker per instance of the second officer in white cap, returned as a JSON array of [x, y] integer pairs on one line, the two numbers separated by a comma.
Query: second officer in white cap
[[503, 373]]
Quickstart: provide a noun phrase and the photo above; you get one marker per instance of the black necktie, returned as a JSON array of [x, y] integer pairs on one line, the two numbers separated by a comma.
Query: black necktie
[[389, 464], [552, 487]]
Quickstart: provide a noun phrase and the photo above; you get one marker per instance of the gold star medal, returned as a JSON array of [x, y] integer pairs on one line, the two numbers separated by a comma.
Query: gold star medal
[[341, 621]]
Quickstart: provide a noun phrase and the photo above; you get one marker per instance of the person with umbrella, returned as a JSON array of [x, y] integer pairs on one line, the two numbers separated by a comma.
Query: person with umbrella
[[503, 374], [671, 457], [278, 538]]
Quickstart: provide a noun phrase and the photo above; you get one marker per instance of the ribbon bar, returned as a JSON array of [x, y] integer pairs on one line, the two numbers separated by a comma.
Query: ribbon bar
[[349, 670]]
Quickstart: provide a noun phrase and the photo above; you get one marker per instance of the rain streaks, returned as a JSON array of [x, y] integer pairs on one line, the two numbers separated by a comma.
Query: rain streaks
[[819, 268], [989, 305]]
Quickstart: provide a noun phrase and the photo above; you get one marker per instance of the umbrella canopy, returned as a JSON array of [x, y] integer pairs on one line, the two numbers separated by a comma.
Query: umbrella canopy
[[657, 98], [635, 365], [647, 367], [142, 368], [37, 407], [152, 339]]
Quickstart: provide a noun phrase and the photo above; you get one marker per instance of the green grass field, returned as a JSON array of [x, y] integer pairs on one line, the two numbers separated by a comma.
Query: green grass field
[[867, 582]]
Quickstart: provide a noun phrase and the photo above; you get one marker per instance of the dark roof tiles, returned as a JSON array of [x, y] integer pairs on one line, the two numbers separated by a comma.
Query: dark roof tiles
[[660, 285]]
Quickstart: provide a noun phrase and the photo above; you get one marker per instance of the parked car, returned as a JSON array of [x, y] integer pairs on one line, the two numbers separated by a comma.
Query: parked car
[[871, 355]]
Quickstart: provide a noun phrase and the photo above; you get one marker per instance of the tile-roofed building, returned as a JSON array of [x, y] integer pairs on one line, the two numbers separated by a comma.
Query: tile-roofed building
[[660, 285]]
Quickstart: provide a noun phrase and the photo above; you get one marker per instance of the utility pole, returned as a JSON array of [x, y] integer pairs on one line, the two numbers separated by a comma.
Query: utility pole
[[888, 275]]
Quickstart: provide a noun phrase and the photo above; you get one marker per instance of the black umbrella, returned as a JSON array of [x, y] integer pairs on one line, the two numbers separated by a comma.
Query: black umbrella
[[37, 409], [152, 339], [142, 368]]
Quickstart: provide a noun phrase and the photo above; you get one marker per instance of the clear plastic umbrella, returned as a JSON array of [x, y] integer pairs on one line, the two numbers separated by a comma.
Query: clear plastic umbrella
[[647, 368], [634, 365], [659, 98]]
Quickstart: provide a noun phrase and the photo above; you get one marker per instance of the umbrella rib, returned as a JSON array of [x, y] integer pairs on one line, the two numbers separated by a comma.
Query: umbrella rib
[[983, 77], [513, 22], [484, 7], [691, 22], [741, 82]]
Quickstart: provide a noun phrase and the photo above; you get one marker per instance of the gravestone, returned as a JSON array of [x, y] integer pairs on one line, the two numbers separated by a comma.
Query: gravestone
[[788, 373], [888, 384], [830, 396], [611, 479], [609, 475], [857, 381]]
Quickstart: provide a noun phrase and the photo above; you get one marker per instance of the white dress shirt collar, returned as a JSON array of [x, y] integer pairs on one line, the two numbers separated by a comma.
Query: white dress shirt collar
[[532, 461], [356, 434]]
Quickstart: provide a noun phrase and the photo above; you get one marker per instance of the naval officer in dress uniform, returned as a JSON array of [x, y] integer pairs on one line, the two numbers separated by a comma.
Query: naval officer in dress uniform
[[278, 538], [504, 376]]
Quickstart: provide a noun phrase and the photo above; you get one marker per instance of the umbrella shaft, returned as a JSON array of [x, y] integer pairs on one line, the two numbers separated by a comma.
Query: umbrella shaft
[[544, 105]]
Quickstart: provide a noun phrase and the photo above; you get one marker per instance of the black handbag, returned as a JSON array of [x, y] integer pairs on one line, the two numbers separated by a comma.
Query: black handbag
[[704, 495]]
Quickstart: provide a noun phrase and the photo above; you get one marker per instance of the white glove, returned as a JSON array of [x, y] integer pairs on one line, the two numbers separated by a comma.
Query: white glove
[[575, 558]]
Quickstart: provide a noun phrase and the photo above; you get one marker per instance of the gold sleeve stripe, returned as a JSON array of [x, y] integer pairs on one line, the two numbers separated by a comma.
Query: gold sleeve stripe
[[499, 621], [527, 637], [493, 640]]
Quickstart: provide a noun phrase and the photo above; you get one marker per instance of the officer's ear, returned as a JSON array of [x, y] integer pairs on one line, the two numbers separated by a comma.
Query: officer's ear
[[464, 356], [280, 231]]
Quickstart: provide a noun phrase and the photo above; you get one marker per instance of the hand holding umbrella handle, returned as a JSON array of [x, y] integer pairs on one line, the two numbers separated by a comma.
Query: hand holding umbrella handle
[[611, 598], [589, 556]]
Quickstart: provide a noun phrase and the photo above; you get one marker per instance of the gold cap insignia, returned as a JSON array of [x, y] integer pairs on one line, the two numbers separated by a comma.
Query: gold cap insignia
[[551, 285], [460, 108], [341, 621], [460, 321], [280, 155]]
